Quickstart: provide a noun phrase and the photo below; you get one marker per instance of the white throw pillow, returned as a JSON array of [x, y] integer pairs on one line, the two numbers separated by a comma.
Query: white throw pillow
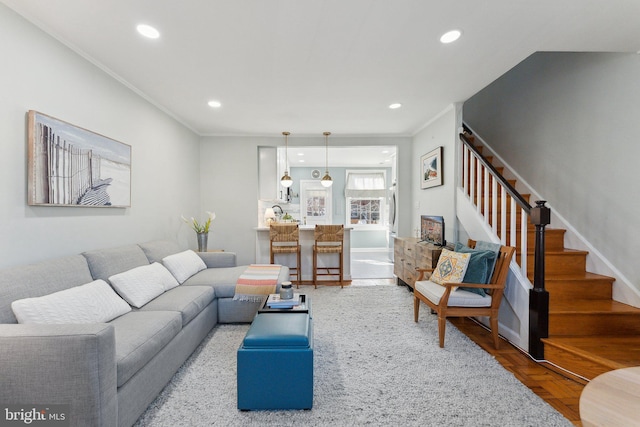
[[94, 302], [165, 276], [142, 284], [184, 265]]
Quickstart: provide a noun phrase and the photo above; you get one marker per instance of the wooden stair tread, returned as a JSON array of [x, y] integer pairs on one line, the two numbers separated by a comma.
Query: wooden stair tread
[[582, 285], [581, 281], [578, 276], [586, 276], [615, 352], [561, 252], [598, 306]]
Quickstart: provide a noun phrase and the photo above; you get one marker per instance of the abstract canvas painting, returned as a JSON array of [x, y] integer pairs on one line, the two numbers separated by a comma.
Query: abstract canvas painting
[[71, 166]]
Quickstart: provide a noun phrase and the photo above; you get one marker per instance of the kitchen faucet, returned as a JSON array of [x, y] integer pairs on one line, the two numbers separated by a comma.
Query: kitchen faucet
[[279, 215]]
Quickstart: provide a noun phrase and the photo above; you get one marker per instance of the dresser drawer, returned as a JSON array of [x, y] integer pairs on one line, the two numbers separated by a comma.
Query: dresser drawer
[[410, 276], [409, 250], [409, 264]]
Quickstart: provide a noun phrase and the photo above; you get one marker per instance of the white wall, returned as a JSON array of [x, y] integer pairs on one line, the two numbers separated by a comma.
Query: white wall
[[440, 131], [566, 123], [41, 74], [229, 182]]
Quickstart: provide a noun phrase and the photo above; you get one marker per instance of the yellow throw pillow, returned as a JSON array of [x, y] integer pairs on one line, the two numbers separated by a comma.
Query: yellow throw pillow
[[451, 267]]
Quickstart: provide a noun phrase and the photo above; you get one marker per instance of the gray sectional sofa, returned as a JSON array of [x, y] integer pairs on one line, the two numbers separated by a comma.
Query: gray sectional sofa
[[108, 373]]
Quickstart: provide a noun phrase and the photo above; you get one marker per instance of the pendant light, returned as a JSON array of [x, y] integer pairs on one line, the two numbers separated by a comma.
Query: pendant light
[[326, 180], [286, 180]]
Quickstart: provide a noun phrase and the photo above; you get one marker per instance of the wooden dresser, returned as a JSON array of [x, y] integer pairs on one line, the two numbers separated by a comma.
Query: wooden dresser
[[409, 254]]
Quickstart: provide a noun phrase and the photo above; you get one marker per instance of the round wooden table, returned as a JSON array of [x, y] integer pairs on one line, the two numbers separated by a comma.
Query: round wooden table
[[612, 399]]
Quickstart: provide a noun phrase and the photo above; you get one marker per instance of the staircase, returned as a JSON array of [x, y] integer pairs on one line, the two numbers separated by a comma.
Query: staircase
[[589, 332]]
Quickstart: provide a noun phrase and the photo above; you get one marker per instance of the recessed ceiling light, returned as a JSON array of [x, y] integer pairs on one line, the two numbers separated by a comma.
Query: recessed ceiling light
[[450, 36], [300, 154], [214, 104], [301, 160], [385, 151], [148, 31], [394, 106]]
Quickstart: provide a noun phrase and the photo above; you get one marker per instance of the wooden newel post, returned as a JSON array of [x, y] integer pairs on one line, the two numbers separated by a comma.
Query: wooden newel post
[[538, 296]]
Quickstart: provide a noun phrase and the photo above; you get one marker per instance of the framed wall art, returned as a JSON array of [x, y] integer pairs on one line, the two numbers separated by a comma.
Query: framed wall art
[[71, 166], [431, 169]]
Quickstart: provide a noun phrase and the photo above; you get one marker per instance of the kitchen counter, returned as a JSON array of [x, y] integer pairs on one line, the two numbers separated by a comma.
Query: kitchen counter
[[306, 243], [301, 227]]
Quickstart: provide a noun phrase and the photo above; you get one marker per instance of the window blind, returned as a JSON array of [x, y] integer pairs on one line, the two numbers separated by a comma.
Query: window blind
[[365, 185]]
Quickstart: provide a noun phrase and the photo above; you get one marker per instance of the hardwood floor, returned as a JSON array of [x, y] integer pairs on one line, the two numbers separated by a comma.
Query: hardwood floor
[[560, 392]]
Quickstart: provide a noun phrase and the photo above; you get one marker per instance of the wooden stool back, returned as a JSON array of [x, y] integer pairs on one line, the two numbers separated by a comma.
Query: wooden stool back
[[328, 239], [285, 239]]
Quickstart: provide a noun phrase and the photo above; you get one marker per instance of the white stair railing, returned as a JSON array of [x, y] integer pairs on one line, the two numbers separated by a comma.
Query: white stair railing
[[485, 187]]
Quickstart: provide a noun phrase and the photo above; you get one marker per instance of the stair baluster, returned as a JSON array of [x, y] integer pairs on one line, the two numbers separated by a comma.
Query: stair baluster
[[475, 167]]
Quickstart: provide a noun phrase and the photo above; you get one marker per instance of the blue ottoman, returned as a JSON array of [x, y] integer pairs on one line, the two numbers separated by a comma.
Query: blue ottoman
[[275, 363]]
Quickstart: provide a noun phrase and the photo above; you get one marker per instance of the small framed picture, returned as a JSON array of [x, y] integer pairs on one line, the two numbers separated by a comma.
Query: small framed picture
[[431, 169]]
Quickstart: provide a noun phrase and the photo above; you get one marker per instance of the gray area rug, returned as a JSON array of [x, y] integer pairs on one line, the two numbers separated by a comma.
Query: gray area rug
[[372, 365]]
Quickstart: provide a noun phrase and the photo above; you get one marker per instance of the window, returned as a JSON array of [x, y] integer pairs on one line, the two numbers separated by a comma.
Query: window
[[365, 211], [366, 197], [315, 205]]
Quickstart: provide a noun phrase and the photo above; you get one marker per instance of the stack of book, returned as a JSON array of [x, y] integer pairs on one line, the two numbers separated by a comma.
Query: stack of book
[[274, 301]]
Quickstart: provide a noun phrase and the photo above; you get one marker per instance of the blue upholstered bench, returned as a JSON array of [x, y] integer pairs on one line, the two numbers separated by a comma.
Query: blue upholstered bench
[[275, 363]]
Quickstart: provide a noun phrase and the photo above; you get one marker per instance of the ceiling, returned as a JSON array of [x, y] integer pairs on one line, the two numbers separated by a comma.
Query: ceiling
[[340, 156], [309, 66]]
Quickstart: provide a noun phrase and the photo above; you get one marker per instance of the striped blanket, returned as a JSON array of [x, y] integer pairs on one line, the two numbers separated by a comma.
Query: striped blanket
[[257, 281]]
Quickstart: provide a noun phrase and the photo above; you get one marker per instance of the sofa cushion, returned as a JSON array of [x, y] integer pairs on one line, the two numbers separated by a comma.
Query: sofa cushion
[[457, 298], [104, 263], [224, 279], [142, 284], [184, 264], [140, 335], [218, 259], [159, 249], [40, 279], [189, 301], [94, 302]]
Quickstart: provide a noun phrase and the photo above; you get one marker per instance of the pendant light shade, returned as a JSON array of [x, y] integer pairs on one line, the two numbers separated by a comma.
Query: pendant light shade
[[326, 180], [286, 180]]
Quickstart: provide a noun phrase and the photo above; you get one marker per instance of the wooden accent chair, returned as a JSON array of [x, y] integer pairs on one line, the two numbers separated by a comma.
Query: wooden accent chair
[[285, 239], [460, 303], [329, 239]]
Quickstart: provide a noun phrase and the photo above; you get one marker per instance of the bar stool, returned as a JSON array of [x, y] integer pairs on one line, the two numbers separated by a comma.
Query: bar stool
[[285, 239], [328, 240]]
